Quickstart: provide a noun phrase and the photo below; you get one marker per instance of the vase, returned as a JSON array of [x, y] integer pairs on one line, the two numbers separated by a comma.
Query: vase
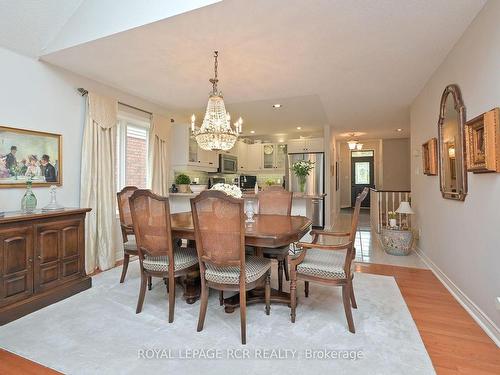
[[392, 223], [28, 203], [249, 212], [302, 183]]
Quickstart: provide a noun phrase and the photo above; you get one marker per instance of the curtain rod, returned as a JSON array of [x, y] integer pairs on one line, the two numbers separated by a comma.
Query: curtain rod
[[84, 92]]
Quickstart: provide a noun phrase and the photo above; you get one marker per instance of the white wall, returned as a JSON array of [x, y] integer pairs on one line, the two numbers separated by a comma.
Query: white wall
[[462, 239], [37, 96]]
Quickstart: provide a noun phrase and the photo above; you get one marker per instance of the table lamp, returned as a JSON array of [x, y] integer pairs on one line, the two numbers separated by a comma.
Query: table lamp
[[405, 208]]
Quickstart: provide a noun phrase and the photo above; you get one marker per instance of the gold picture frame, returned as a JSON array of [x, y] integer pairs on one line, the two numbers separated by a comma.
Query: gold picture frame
[[483, 142], [29, 154], [429, 157]]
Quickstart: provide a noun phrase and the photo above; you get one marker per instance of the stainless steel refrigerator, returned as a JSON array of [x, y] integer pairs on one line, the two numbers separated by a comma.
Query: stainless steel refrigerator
[[315, 184]]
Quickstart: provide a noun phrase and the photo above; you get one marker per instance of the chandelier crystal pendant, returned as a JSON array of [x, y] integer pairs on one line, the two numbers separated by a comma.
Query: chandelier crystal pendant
[[216, 132]]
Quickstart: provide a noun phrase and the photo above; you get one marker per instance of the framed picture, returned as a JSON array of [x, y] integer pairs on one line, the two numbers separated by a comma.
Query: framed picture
[[429, 157], [28, 154], [483, 142]]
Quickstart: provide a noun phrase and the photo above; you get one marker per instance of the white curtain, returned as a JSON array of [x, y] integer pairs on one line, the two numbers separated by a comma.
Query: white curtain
[[98, 190], [159, 154]]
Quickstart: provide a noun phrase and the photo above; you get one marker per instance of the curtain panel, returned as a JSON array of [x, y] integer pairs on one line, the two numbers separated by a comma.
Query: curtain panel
[[98, 185], [159, 154]]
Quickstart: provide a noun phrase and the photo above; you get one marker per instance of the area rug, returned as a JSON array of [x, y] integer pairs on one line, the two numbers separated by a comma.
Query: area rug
[[98, 332]]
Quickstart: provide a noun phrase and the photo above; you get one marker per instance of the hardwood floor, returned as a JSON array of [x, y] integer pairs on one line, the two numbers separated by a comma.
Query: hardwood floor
[[455, 343]]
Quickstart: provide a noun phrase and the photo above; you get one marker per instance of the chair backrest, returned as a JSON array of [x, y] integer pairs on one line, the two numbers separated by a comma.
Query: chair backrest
[[151, 218], [275, 188], [124, 210], [219, 226], [275, 202], [354, 223]]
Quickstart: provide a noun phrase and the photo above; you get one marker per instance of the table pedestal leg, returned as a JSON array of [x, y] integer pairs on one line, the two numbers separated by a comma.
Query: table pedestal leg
[[256, 295]]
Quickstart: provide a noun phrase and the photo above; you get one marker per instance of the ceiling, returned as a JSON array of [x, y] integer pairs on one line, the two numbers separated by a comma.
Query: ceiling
[[28, 26], [354, 65]]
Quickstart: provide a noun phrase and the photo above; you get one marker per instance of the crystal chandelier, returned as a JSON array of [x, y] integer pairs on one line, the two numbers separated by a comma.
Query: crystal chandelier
[[216, 132]]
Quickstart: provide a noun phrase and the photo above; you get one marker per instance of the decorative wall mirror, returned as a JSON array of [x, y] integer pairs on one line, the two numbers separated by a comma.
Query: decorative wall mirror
[[451, 147]]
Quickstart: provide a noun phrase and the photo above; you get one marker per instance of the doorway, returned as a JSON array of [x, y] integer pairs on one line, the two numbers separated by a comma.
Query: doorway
[[362, 174]]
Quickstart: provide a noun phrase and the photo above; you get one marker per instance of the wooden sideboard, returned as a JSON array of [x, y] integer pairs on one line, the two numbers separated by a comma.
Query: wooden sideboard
[[42, 260]]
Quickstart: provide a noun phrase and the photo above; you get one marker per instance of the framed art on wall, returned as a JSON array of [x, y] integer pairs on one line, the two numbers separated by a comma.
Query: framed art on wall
[[483, 142], [28, 154], [429, 157]]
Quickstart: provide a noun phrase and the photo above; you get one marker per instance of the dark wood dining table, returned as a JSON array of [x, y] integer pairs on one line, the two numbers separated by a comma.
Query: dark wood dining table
[[267, 231]]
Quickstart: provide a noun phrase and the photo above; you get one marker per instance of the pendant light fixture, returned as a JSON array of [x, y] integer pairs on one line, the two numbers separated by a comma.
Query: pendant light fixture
[[216, 132], [354, 143]]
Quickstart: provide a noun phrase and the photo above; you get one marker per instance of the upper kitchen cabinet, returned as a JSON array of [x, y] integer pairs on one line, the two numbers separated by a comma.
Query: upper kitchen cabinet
[[186, 153], [242, 148], [273, 156], [298, 146], [254, 157]]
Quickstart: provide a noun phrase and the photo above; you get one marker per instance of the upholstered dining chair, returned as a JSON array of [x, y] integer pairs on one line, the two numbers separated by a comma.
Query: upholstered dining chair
[[277, 202], [219, 226], [127, 228], [158, 256], [328, 264]]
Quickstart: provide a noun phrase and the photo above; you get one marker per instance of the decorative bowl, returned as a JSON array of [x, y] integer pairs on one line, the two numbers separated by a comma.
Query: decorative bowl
[[195, 188]]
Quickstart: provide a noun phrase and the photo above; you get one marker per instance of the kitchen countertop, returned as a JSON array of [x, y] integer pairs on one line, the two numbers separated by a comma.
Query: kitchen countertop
[[248, 195]]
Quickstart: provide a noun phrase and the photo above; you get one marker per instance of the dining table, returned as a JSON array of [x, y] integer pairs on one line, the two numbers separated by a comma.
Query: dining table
[[266, 231]]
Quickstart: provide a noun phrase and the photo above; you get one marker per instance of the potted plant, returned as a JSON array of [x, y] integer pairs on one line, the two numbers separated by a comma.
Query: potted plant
[[392, 219], [183, 182], [301, 169]]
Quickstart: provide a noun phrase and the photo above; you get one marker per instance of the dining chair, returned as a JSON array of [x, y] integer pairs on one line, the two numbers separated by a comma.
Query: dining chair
[[328, 264], [276, 202], [127, 228], [152, 227], [219, 227]]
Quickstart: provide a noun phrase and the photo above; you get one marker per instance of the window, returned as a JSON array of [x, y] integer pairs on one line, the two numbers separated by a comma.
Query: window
[[132, 152], [362, 173], [361, 154]]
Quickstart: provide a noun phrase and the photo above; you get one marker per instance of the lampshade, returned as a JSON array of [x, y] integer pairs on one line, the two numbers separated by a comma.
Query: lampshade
[[352, 145], [405, 208]]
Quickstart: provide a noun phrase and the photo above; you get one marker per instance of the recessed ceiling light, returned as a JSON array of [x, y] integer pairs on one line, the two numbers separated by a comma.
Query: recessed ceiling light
[[277, 105], [252, 131], [399, 129], [281, 140], [298, 128]]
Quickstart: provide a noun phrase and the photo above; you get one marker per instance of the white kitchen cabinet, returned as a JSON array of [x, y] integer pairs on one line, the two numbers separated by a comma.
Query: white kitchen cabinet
[[297, 146], [254, 157], [242, 156], [185, 152], [273, 156]]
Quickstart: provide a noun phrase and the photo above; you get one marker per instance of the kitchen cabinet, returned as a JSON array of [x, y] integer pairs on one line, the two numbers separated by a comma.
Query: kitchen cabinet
[[298, 146], [242, 156], [185, 152], [273, 155], [254, 157]]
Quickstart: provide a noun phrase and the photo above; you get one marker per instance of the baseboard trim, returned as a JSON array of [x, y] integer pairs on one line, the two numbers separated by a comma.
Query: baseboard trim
[[488, 326]]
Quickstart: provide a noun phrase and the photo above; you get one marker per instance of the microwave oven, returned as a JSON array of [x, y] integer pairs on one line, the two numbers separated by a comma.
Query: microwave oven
[[228, 163]]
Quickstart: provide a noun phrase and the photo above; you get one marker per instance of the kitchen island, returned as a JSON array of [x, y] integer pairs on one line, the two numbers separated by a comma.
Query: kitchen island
[[301, 202]]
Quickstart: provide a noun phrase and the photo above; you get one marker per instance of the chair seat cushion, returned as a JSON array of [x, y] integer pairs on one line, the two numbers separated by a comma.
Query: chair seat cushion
[[256, 267], [183, 258], [327, 264]]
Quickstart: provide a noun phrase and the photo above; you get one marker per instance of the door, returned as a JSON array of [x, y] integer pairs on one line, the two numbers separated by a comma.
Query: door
[[58, 250], [16, 264], [362, 174]]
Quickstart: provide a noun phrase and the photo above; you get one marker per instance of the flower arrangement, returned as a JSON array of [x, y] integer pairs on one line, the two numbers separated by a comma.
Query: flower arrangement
[[231, 190], [391, 214], [301, 169]]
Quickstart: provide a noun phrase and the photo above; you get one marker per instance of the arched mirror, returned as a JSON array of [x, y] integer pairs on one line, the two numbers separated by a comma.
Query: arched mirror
[[452, 168]]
